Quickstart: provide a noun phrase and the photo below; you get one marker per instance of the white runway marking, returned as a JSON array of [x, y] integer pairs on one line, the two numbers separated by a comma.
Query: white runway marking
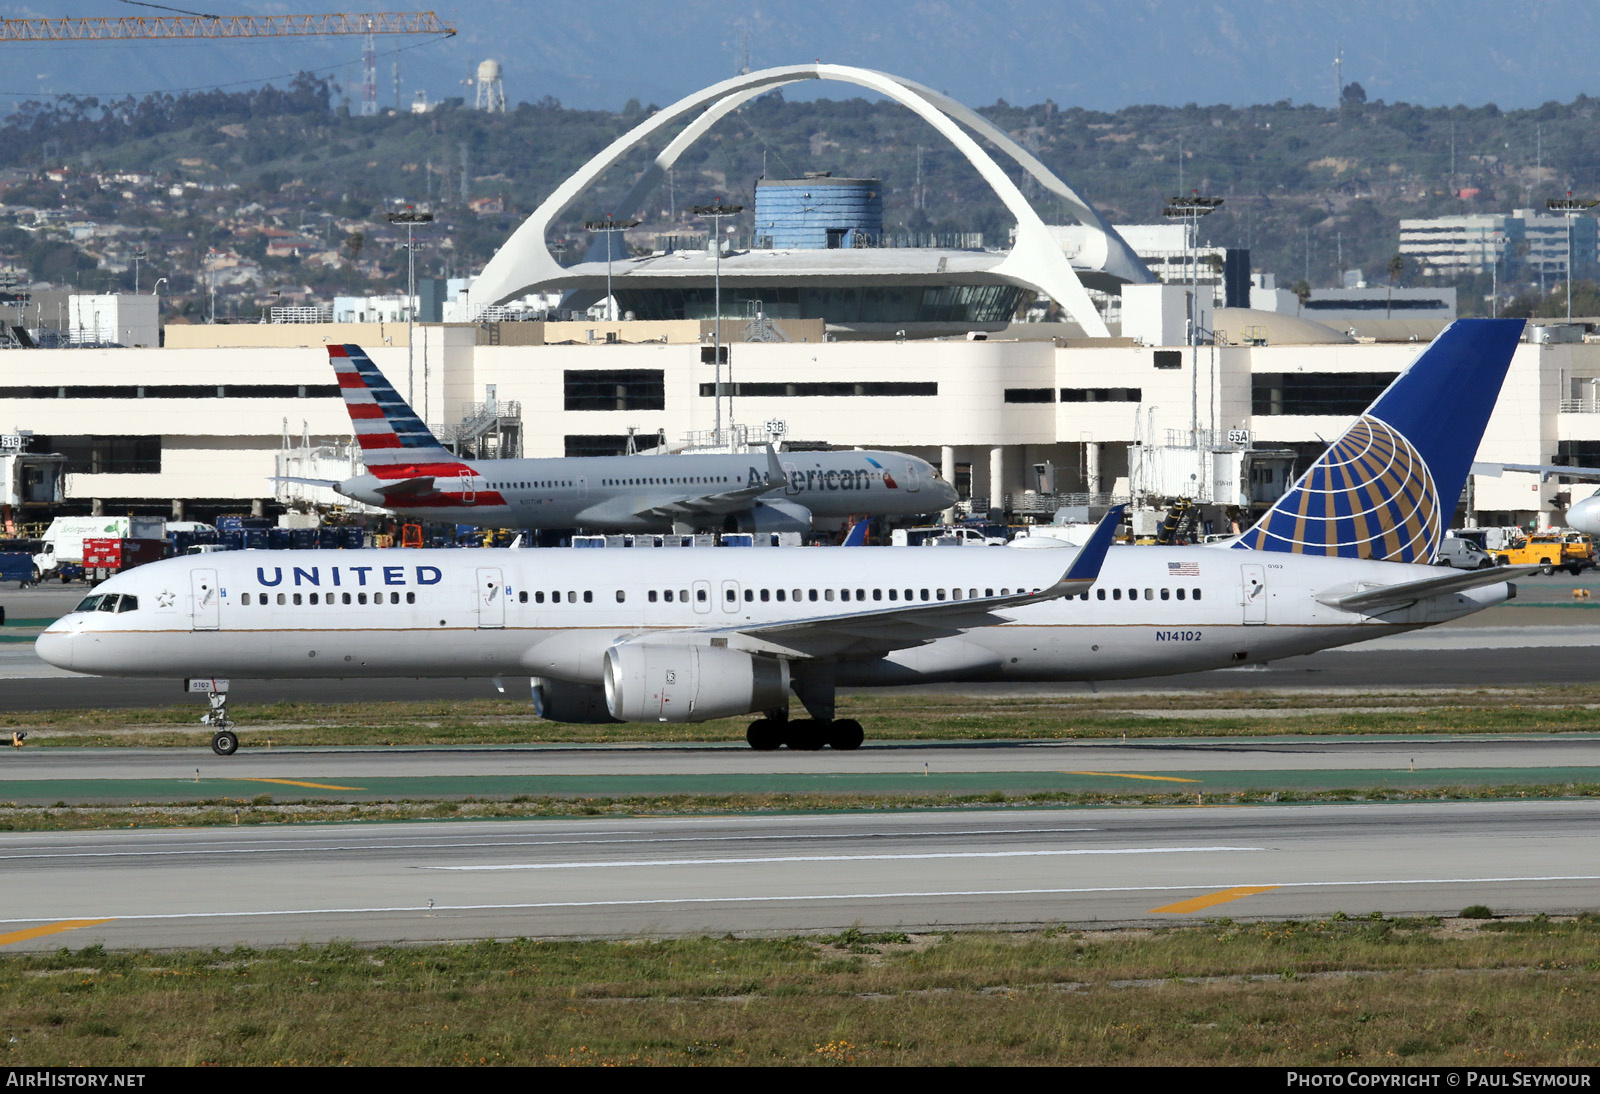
[[934, 894], [838, 858], [476, 845]]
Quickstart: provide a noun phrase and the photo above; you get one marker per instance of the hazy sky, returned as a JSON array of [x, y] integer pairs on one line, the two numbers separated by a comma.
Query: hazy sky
[[1104, 54]]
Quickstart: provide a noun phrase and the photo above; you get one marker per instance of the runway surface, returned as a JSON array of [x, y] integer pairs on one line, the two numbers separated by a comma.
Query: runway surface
[[783, 874], [786, 873], [98, 776]]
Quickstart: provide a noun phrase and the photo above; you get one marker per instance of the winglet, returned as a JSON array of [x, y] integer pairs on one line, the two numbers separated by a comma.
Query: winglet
[[857, 535], [776, 476], [1086, 567]]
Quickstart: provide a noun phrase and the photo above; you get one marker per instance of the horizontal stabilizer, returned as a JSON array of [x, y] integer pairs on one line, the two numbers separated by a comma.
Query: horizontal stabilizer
[[1382, 598], [1543, 470], [400, 488], [334, 483]]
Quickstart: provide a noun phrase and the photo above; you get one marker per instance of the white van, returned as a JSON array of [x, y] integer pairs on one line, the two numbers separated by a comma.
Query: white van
[[1462, 554]]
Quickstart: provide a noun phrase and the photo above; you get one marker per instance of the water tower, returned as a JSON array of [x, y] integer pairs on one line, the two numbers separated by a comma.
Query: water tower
[[491, 92]]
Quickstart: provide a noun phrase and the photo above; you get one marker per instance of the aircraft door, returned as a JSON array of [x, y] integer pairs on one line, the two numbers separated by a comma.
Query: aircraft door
[[207, 615], [913, 477], [702, 597], [491, 598], [792, 480], [469, 488], [730, 596], [1253, 592]]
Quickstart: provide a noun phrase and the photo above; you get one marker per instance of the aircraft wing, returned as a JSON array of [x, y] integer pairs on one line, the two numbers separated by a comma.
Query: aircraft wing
[[724, 501], [1382, 598], [1543, 470], [874, 633]]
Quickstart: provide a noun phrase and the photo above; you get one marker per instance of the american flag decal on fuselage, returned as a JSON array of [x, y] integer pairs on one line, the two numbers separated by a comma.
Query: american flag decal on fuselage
[[1183, 569]]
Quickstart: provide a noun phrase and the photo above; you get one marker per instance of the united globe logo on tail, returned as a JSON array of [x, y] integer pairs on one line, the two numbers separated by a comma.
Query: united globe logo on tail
[[1387, 488], [1369, 496]]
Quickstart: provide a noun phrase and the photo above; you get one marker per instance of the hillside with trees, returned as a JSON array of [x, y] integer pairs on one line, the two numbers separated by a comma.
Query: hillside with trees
[[1309, 190]]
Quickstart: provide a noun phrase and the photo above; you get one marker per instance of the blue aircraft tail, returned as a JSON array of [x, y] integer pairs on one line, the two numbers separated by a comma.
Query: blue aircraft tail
[[1387, 488]]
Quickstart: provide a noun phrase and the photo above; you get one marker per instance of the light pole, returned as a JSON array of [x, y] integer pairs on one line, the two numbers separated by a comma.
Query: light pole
[[1190, 209], [715, 213], [138, 256], [1570, 207], [410, 218], [608, 226]]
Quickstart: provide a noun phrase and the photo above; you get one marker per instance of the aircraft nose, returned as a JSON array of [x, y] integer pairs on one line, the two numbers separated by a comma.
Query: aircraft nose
[[54, 647]]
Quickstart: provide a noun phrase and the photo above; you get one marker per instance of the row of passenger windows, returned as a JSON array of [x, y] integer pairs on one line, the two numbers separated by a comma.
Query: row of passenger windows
[[669, 480], [114, 603], [328, 598], [780, 595], [542, 484], [1149, 594]]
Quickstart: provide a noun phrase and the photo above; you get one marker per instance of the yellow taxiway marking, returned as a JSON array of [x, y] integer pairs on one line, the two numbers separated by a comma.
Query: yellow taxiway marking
[[1121, 775], [1201, 903], [48, 928], [297, 782]]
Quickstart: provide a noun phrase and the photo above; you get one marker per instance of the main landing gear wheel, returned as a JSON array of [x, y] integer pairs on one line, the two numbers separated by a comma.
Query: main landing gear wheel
[[805, 734], [846, 735], [765, 735], [224, 743]]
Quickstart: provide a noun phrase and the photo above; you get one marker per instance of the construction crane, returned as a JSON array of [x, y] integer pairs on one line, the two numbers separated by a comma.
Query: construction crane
[[104, 28], [199, 25]]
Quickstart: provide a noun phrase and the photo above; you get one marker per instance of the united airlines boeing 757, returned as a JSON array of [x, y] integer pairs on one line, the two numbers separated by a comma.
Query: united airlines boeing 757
[[411, 473], [690, 635]]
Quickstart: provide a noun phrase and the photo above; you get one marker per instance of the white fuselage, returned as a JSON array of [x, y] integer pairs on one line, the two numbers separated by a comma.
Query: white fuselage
[[553, 613], [657, 493]]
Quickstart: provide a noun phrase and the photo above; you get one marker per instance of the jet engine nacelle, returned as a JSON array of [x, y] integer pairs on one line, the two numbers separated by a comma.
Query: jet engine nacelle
[[575, 704], [657, 682], [770, 516]]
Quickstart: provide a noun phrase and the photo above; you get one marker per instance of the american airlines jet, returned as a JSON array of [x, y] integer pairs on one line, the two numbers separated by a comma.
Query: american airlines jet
[[411, 473], [690, 635]]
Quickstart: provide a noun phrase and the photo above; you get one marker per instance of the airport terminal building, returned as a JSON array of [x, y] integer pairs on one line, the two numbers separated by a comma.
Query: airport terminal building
[[1018, 425]]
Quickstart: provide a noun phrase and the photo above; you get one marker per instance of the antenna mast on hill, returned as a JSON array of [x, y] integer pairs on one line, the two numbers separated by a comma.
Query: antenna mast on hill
[[1338, 78]]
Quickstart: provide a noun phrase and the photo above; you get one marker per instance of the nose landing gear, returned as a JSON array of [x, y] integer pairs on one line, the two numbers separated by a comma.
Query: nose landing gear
[[224, 742]]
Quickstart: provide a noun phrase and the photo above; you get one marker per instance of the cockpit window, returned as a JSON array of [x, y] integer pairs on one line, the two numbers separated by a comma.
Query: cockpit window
[[128, 604], [88, 604], [108, 603]]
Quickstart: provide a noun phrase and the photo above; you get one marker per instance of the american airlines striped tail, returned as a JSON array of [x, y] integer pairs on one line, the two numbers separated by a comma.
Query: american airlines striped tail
[[1387, 488], [386, 427]]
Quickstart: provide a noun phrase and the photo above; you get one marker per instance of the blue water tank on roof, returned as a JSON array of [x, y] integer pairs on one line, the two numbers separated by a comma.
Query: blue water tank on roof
[[818, 213]]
